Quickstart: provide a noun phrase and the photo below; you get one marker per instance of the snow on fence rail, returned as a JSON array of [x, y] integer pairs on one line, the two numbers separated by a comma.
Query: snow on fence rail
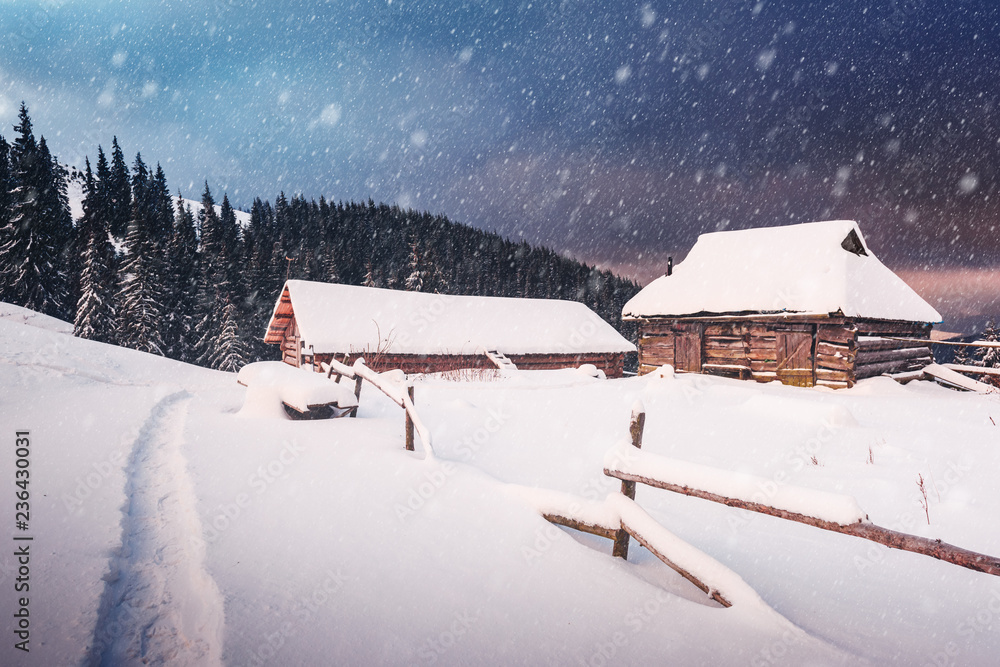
[[828, 511], [400, 395], [619, 517], [334, 367]]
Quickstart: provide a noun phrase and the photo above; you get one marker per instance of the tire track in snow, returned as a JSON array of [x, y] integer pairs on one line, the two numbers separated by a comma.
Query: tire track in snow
[[160, 606]]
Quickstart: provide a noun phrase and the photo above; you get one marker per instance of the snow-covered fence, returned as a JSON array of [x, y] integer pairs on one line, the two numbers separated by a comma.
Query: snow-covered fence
[[620, 518], [829, 511], [334, 367], [401, 396]]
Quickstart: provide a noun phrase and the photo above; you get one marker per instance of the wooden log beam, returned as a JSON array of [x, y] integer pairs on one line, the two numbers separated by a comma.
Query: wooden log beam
[[833, 349], [833, 363], [873, 345], [866, 357], [714, 594], [576, 524], [734, 329], [834, 375], [724, 353], [890, 538], [889, 327], [840, 334], [724, 342], [871, 370]]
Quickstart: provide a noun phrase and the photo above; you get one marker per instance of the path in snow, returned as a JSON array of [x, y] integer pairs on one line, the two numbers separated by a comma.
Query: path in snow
[[159, 606]]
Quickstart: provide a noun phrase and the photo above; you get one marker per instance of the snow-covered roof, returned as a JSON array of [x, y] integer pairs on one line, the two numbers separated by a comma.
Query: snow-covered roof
[[812, 268], [346, 318]]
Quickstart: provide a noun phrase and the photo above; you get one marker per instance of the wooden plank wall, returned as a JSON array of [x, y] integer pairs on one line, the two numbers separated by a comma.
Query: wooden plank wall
[[762, 343], [726, 350], [656, 346], [613, 364]]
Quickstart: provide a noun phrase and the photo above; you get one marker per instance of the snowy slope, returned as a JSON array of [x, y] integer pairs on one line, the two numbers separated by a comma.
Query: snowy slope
[[242, 218], [76, 205], [171, 526]]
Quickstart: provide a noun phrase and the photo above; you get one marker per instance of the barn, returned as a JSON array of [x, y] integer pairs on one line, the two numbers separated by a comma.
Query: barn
[[806, 304], [425, 333]]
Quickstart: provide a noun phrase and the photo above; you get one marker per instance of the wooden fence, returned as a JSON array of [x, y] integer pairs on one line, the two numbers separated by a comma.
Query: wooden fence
[[630, 470], [401, 396]]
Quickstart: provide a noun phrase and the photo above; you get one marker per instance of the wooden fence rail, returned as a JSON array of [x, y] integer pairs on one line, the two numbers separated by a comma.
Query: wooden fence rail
[[863, 529], [620, 518], [401, 396]]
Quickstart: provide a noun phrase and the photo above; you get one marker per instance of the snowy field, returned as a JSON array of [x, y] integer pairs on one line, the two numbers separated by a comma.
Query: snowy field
[[169, 524]]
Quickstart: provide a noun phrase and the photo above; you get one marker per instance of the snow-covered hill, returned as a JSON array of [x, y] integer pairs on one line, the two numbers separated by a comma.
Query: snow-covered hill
[[75, 193], [173, 527]]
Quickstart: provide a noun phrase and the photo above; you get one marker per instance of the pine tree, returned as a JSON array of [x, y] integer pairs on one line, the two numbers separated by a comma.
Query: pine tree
[[330, 272], [962, 356], [119, 192], [141, 290], [54, 206], [990, 357], [161, 209], [263, 280], [229, 353], [142, 213], [415, 279], [7, 186], [140, 311], [213, 284], [95, 313], [181, 286], [230, 251], [33, 242]]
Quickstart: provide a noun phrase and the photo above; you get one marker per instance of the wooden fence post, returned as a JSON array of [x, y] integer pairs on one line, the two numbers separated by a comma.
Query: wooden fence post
[[409, 422], [635, 428], [357, 394]]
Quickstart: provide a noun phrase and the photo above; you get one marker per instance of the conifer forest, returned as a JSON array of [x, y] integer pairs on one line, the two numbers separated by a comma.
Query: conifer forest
[[141, 271]]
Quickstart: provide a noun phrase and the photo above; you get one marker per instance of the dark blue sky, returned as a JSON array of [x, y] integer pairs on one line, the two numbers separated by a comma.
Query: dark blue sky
[[614, 131]]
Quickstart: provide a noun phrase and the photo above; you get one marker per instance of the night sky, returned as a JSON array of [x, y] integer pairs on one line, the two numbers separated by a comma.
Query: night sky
[[616, 132]]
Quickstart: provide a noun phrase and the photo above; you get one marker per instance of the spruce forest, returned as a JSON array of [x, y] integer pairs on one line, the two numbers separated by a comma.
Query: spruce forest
[[138, 271]]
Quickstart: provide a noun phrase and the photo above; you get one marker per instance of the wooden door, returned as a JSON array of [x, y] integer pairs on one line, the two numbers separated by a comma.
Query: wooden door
[[794, 352], [687, 351]]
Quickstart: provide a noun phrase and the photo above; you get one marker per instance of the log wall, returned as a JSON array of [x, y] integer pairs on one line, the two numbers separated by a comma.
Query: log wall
[[892, 347], [829, 351]]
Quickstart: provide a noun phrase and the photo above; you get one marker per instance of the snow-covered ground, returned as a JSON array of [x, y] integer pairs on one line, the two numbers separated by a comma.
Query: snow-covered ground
[[172, 527]]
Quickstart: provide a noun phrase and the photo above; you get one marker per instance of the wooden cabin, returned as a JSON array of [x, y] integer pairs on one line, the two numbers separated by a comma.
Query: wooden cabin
[[805, 304], [427, 333]]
